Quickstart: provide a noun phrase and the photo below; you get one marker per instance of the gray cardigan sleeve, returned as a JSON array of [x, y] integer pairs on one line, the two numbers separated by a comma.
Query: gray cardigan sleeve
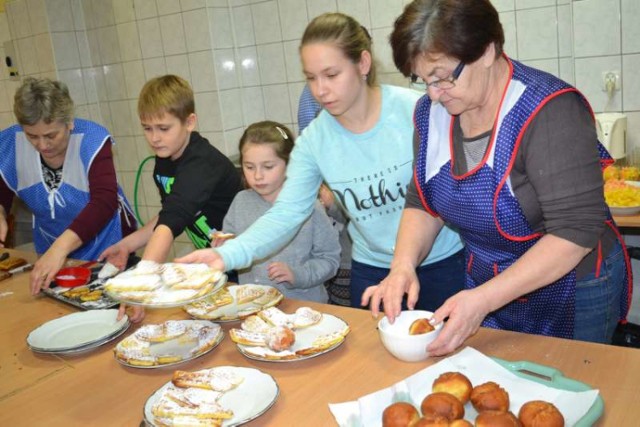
[[324, 260]]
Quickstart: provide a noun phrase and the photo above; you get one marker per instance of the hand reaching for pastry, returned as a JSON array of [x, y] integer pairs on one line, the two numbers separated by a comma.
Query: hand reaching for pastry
[[136, 316], [45, 269], [206, 256]]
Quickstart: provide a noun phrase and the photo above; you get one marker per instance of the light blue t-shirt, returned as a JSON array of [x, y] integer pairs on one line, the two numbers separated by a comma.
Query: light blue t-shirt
[[368, 173]]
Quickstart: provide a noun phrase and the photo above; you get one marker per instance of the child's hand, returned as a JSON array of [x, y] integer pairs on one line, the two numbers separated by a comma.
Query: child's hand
[[206, 256], [280, 272]]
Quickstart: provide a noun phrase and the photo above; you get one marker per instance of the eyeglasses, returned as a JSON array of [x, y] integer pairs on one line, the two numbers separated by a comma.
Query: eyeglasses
[[443, 84]]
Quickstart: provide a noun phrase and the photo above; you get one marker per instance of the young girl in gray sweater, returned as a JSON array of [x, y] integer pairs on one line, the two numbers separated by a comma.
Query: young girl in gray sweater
[[300, 269]]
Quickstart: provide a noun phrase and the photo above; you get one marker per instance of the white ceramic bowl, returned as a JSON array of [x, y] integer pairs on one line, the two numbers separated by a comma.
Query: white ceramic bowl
[[396, 338]]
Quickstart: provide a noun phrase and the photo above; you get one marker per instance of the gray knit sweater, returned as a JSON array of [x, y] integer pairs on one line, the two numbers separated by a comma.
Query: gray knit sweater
[[313, 255]]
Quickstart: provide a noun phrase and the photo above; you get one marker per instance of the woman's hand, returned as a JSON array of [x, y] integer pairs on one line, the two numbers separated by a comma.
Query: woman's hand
[[4, 227], [45, 269], [400, 281], [117, 255], [205, 256], [466, 310], [280, 272], [137, 313]]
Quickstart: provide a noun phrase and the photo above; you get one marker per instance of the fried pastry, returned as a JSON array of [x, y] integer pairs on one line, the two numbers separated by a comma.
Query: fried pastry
[[217, 379], [246, 294], [11, 263]]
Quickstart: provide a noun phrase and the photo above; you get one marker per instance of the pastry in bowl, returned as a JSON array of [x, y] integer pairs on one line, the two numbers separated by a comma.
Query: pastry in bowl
[[399, 414], [454, 383], [396, 338], [538, 413], [489, 397], [421, 326]]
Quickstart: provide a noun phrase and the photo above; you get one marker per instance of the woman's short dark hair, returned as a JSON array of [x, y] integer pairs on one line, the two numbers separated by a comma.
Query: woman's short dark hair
[[459, 29]]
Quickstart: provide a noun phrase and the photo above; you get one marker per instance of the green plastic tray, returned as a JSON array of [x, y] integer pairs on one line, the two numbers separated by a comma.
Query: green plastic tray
[[554, 378]]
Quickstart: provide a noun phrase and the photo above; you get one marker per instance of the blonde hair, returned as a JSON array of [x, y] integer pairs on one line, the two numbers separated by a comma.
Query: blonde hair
[[346, 34], [42, 99], [268, 132], [166, 94]]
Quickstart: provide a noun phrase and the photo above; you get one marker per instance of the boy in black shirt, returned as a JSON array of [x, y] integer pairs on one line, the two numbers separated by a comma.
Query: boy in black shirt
[[196, 181]]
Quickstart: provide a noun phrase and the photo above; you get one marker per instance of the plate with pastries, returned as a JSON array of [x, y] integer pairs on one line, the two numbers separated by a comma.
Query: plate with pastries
[[218, 396], [152, 284], [168, 343], [235, 302], [272, 335]]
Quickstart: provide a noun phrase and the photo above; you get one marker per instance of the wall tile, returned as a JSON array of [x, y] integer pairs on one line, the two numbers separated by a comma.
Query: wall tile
[[549, 65], [150, 38], [179, 65], [196, 26], [94, 47], [79, 23], [83, 48], [100, 83], [528, 4], [221, 28], [252, 105], [537, 33], [293, 19], [121, 118], [136, 127], [276, 102], [145, 8], [225, 68], [231, 138], [60, 16], [596, 25], [208, 111], [503, 5], [231, 107], [565, 31], [73, 80], [5, 35], [129, 41], [102, 14], [172, 34], [89, 80], [358, 10], [631, 82], [243, 26], [6, 120], [154, 67], [38, 16], [167, 7], [5, 105], [248, 66], [28, 57], [271, 64], [633, 139], [192, 4], [65, 50], [588, 73], [44, 52], [127, 156], [566, 70], [292, 61], [508, 21], [384, 12], [109, 45], [382, 49], [114, 82], [266, 22], [630, 28], [19, 19], [133, 77], [123, 11], [315, 8], [203, 78]]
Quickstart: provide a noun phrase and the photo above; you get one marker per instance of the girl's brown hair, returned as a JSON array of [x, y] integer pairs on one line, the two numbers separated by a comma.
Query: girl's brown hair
[[345, 33], [268, 132]]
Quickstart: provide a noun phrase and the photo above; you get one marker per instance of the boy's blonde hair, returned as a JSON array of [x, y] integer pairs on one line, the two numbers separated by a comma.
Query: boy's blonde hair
[[166, 94]]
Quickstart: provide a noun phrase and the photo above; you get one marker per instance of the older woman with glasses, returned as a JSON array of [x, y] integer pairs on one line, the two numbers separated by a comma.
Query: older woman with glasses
[[508, 156]]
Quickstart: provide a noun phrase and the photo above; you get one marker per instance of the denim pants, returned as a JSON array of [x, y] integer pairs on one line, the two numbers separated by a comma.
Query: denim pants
[[438, 281], [598, 300]]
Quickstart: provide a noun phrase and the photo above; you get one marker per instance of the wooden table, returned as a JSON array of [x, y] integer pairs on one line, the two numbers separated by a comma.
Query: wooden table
[[627, 220], [95, 390]]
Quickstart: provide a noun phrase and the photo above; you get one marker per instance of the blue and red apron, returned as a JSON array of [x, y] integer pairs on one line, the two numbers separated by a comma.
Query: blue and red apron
[[483, 208]]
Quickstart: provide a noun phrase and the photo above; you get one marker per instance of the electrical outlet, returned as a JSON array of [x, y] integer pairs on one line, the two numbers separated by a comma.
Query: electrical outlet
[[610, 78]]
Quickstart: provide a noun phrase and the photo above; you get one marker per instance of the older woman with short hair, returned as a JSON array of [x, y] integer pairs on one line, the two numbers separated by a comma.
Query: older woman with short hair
[[508, 156], [62, 169]]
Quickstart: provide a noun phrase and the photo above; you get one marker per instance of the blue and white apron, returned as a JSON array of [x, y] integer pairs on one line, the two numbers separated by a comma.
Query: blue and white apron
[[482, 206]]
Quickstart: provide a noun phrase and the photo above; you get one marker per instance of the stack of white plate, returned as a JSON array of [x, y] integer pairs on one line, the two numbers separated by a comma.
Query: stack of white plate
[[78, 332]]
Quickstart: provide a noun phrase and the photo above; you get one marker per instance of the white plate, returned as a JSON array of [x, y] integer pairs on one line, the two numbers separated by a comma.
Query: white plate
[[85, 348], [173, 347], [217, 286], [229, 312], [76, 330], [627, 210], [304, 338], [252, 398]]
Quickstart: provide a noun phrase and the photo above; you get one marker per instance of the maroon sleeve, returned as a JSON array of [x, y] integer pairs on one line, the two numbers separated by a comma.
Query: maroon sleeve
[[6, 196], [103, 196]]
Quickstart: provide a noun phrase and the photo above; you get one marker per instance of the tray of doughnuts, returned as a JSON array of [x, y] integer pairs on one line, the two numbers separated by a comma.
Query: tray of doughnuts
[[469, 389]]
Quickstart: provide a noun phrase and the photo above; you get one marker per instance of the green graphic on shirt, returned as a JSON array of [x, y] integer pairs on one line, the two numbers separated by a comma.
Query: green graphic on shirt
[[199, 233], [168, 184]]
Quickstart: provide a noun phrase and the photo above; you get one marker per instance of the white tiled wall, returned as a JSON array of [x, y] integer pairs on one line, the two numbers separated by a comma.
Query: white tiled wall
[[241, 57]]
